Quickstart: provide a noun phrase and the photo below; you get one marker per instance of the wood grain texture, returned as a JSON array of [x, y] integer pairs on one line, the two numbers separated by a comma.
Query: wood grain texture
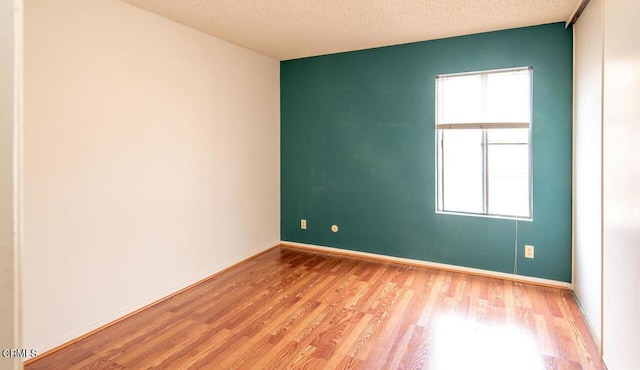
[[290, 308]]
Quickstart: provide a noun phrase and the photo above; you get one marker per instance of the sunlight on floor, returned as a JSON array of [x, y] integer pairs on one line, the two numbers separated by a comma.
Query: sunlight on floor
[[463, 344]]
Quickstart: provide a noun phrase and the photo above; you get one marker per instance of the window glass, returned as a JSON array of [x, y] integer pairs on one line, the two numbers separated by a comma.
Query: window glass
[[462, 170], [507, 97], [461, 99], [508, 178]]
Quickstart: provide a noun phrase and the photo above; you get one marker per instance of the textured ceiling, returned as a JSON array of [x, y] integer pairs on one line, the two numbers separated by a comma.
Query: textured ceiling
[[289, 29]]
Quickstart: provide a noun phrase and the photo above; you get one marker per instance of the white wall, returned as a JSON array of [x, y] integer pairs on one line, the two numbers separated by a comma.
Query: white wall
[[621, 212], [10, 84], [587, 130], [151, 161]]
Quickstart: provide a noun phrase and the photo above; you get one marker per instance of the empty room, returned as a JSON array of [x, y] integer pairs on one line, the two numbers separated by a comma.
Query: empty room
[[217, 184]]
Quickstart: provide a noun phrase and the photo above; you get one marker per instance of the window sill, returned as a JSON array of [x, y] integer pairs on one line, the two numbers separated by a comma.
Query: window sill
[[481, 215]]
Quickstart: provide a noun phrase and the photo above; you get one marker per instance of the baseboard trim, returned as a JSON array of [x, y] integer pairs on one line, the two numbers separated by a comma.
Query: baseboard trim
[[121, 318], [436, 265]]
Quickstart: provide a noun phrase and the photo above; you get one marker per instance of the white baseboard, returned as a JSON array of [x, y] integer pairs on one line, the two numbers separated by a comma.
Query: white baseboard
[[436, 265]]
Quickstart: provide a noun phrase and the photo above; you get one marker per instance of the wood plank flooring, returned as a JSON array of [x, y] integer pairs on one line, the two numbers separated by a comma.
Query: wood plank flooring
[[290, 308]]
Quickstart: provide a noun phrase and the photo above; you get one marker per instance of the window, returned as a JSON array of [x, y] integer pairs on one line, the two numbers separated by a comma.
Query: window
[[483, 122]]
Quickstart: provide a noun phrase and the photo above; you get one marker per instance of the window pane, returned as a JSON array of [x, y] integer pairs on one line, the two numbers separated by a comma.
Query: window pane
[[508, 97], [460, 99], [508, 136], [462, 184], [508, 179]]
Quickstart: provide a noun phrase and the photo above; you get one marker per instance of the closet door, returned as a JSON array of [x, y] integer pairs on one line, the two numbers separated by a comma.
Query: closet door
[[587, 159], [621, 186]]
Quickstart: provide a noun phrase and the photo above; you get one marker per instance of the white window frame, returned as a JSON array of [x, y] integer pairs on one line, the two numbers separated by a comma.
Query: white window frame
[[439, 127]]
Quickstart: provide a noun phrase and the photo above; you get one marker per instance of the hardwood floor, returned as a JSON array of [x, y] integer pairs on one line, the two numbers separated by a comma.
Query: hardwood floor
[[290, 308]]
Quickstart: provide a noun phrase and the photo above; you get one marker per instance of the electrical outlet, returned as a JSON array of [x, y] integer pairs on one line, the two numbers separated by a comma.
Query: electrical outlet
[[303, 224], [528, 251]]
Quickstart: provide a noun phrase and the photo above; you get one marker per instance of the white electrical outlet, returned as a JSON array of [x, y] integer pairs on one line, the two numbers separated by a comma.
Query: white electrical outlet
[[303, 224], [528, 251]]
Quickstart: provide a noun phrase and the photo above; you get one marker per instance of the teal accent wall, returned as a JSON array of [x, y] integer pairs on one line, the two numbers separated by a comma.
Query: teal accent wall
[[358, 150]]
